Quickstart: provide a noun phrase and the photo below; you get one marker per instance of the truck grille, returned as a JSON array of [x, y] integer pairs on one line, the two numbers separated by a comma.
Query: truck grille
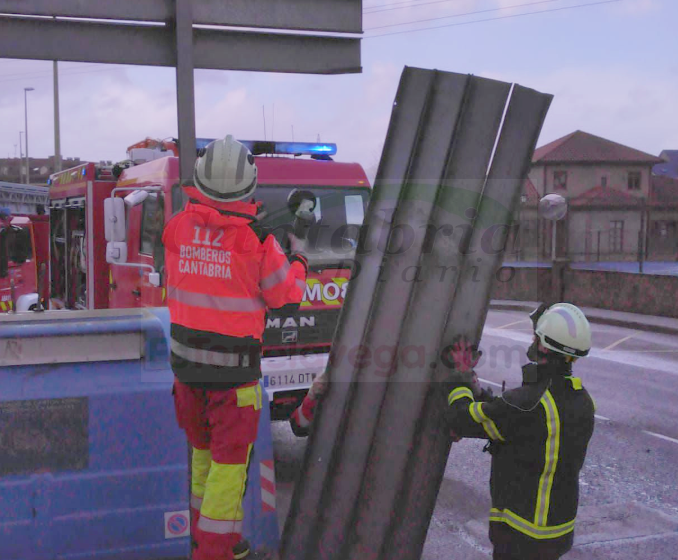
[[304, 332]]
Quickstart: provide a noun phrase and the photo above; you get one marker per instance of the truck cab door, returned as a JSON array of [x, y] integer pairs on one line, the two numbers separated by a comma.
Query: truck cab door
[[151, 249], [130, 286], [124, 281]]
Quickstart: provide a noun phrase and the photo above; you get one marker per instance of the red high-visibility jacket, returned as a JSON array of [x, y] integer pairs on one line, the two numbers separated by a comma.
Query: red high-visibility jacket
[[223, 271]]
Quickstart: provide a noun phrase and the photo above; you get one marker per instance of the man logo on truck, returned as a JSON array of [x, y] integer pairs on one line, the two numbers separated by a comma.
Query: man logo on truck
[[290, 322]]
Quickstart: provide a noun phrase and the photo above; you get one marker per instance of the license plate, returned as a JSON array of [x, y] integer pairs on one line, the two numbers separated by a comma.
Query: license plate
[[277, 380]]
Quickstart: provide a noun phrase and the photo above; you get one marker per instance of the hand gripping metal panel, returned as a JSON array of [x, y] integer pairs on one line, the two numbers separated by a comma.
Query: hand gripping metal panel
[[425, 274]]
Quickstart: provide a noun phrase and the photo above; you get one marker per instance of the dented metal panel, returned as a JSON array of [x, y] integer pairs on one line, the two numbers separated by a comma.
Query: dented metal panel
[[378, 424], [451, 221], [520, 131], [351, 328]]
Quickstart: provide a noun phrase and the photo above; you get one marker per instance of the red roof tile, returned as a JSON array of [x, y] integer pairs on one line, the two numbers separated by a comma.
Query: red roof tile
[[605, 196], [582, 147], [530, 192]]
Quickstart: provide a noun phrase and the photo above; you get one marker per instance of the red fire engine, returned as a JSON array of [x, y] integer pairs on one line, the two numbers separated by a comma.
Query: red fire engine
[[79, 271], [296, 345], [24, 254]]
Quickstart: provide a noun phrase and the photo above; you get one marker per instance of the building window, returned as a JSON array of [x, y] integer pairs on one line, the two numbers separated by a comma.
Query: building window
[[616, 236], [560, 180], [664, 229], [603, 181], [634, 180]]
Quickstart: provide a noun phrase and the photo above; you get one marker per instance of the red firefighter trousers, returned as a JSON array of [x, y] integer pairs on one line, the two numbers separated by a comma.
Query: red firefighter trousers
[[221, 426]]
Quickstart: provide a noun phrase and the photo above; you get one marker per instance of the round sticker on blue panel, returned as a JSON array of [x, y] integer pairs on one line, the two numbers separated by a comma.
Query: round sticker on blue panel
[[177, 523]]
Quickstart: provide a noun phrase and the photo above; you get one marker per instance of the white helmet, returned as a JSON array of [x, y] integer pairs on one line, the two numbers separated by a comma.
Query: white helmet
[[225, 171], [564, 328]]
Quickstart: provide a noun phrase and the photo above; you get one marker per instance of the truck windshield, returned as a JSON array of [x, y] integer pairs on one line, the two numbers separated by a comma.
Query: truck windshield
[[339, 213]]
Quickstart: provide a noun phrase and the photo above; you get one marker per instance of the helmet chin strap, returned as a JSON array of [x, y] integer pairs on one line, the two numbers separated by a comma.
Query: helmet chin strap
[[543, 357]]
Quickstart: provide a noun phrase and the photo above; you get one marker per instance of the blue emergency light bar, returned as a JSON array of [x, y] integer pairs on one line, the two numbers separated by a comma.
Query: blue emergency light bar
[[259, 147]]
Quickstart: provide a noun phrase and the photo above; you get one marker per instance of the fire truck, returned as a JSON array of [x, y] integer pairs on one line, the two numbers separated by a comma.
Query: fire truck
[[78, 269], [24, 250], [84, 276]]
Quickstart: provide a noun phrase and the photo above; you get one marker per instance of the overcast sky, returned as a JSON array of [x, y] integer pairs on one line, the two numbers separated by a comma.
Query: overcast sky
[[612, 68]]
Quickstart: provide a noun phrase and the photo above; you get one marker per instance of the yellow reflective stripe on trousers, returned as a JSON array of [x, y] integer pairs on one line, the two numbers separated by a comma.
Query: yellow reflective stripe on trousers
[[476, 410], [201, 460], [459, 393], [552, 449], [225, 490], [249, 396], [530, 529]]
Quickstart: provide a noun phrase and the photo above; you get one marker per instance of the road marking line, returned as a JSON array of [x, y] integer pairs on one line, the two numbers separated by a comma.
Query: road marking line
[[660, 436], [511, 324], [615, 344], [671, 270], [490, 382], [602, 417], [651, 351]]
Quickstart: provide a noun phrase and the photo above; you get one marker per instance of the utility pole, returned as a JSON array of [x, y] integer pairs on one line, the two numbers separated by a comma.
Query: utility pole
[[57, 139], [183, 23], [641, 238], [21, 156], [28, 171]]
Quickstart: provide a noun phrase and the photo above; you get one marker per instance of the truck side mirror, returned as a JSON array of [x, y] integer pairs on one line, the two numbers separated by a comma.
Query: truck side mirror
[[135, 198], [301, 203], [116, 251], [114, 218]]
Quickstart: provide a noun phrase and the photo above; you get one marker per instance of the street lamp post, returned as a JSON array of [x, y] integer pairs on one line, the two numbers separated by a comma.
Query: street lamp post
[[553, 208], [21, 155], [57, 140], [28, 170]]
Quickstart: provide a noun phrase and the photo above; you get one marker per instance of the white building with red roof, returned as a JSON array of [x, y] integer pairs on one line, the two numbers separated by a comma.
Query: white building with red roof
[[616, 204]]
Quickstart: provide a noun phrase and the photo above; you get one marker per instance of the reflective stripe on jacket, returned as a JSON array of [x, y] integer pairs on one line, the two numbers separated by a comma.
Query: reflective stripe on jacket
[[539, 433], [223, 272]]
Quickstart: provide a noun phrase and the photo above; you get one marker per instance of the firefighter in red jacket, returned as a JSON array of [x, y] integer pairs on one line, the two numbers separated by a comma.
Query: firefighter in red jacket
[[538, 436], [223, 272]]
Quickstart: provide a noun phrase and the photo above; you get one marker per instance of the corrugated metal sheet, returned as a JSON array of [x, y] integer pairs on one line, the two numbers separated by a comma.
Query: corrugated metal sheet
[[376, 454]]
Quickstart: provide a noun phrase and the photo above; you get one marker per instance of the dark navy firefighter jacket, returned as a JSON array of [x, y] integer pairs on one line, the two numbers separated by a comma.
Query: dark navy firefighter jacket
[[539, 434]]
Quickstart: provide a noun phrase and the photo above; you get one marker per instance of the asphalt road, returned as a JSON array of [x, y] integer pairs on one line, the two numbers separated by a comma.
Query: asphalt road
[[629, 484]]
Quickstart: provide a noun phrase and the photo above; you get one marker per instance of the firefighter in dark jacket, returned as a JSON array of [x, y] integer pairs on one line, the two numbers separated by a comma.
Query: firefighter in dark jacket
[[538, 436]]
